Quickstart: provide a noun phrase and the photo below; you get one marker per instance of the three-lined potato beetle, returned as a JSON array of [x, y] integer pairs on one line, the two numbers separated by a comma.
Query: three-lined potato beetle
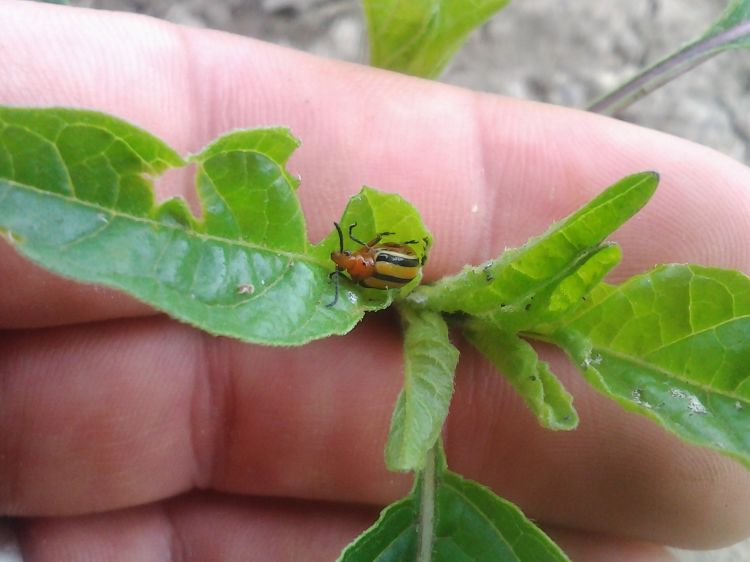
[[375, 265]]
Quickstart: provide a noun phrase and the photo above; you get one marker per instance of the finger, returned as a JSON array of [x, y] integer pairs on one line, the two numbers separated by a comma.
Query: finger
[[98, 417], [205, 528], [40, 298], [485, 172], [209, 528], [589, 546]]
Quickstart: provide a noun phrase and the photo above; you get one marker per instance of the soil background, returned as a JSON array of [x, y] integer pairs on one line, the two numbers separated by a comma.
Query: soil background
[[556, 51]]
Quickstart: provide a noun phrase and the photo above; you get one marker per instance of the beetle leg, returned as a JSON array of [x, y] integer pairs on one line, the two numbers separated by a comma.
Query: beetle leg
[[351, 227], [372, 242], [375, 241], [426, 247], [335, 272]]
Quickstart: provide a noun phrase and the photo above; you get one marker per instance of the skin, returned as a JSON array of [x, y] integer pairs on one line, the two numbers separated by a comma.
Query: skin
[[127, 436]]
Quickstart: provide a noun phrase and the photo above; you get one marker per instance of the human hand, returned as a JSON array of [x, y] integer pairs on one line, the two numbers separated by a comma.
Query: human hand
[[126, 435]]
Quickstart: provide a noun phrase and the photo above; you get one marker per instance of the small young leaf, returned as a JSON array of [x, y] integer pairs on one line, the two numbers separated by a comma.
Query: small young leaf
[[673, 344], [568, 293], [422, 406], [560, 297], [76, 197], [471, 524], [518, 362], [419, 37], [557, 262]]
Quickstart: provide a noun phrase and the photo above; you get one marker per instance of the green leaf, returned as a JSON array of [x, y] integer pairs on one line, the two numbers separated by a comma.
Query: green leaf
[[471, 524], [246, 194], [543, 393], [419, 37], [392, 538], [672, 344], [558, 267], [76, 196], [422, 406]]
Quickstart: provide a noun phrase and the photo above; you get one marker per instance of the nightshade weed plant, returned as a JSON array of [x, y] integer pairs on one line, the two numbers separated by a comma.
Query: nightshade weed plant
[[671, 343]]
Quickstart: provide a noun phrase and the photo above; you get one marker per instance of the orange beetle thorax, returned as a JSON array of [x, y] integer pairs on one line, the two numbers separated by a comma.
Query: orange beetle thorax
[[359, 265]]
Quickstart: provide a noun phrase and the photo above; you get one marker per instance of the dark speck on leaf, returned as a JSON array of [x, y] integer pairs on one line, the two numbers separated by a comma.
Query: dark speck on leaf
[[245, 289], [487, 273]]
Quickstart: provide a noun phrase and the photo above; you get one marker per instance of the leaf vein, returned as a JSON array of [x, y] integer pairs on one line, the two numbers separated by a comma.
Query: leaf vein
[[663, 371], [309, 258], [90, 234]]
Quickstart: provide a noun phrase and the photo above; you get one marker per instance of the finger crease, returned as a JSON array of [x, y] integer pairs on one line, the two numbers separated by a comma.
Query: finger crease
[[177, 550], [209, 408]]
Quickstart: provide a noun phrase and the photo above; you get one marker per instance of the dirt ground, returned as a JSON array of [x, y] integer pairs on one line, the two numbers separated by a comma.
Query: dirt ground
[[566, 53], [555, 51]]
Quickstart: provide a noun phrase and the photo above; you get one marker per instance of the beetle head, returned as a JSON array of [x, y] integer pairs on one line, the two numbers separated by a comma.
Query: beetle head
[[340, 258]]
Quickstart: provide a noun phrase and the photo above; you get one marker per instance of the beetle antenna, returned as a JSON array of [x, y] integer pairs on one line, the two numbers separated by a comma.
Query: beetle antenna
[[341, 236]]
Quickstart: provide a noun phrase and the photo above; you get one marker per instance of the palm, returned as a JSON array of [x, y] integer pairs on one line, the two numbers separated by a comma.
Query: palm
[[111, 416]]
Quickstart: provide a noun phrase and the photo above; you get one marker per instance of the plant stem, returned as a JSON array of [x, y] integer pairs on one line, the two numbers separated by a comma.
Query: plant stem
[[667, 69], [425, 532]]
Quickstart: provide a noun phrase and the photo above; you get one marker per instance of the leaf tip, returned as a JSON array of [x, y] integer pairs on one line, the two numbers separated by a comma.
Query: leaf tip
[[649, 177], [653, 175], [568, 422]]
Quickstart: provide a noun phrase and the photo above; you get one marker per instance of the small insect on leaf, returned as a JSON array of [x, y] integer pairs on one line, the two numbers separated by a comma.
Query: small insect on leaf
[[375, 265]]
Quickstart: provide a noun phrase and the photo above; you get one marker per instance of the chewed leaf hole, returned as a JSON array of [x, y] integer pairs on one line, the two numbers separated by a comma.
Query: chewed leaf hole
[[178, 182]]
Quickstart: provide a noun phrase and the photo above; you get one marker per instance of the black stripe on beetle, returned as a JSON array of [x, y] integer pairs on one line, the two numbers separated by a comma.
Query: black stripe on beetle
[[400, 260]]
